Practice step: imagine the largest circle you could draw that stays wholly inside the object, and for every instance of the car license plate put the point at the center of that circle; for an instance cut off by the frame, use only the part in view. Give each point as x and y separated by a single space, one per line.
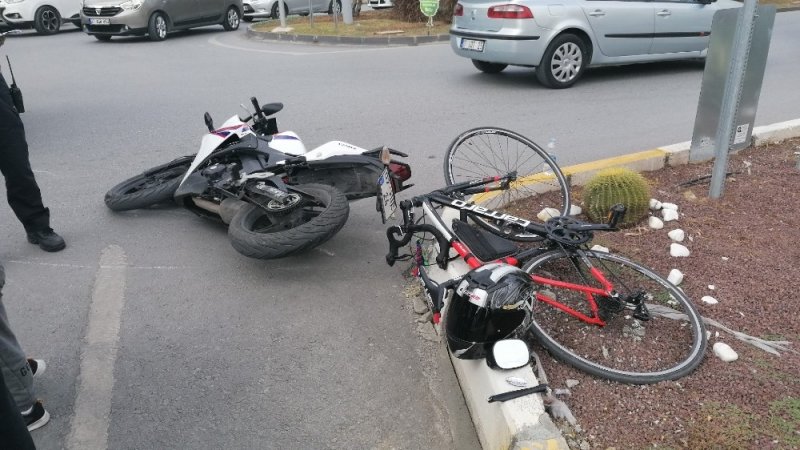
386 200
100 21
472 44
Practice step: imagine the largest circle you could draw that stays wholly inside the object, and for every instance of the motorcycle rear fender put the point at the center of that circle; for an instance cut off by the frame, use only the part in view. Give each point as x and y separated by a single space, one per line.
355 175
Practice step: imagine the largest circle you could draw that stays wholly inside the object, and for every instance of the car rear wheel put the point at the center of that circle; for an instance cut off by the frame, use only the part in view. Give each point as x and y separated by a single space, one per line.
47 20
487 67
338 7
563 62
157 28
232 18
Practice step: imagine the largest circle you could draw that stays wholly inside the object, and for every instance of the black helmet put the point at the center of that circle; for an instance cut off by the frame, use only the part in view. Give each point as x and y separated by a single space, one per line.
490 304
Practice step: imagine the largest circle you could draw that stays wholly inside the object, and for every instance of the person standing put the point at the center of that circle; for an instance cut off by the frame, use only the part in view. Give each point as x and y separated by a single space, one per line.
13 432
22 191
19 371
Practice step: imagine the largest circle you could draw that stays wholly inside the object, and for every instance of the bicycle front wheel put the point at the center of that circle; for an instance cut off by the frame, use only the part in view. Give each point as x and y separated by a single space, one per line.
487 152
629 348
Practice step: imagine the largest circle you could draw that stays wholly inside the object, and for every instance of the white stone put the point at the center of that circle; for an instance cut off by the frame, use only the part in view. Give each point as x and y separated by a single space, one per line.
655 204
709 300
725 352
599 248
678 250
575 210
669 214
669 206
725 258
548 213
677 235
712 287
675 277
572 383
655 223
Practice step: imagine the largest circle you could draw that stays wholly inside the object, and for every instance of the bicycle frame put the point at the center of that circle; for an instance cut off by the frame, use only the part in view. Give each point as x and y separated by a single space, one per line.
447 240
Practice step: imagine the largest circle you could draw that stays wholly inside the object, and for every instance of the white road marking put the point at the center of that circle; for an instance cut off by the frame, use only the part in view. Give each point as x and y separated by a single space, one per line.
81 266
214 41
93 404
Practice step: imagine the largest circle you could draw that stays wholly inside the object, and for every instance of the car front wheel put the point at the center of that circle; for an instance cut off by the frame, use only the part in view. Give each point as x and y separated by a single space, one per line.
231 19
487 67
157 29
47 20
563 62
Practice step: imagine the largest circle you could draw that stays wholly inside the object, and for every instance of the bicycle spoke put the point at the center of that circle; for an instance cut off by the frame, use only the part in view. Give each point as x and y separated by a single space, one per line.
632 346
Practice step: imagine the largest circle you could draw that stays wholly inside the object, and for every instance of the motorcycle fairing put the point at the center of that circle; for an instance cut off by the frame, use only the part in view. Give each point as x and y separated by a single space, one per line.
211 141
287 142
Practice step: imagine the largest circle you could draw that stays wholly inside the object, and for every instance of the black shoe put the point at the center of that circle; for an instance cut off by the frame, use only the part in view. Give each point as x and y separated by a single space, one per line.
47 239
36 417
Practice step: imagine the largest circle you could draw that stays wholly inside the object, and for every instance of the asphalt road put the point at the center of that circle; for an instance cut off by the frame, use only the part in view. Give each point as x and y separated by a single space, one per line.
159 335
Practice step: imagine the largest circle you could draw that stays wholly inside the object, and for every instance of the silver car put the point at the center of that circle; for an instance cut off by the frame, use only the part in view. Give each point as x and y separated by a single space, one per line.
562 38
155 18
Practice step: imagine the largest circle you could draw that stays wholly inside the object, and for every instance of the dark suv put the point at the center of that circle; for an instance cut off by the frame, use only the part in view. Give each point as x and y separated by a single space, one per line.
155 18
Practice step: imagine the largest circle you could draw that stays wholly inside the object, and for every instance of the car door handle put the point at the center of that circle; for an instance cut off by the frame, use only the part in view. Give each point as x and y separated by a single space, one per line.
597 13
664 13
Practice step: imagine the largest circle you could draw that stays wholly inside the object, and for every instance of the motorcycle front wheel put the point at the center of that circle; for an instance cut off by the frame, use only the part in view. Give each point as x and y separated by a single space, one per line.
149 188
258 233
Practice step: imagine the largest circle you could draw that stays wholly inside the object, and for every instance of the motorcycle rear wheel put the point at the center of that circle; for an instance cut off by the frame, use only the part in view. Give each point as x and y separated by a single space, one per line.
257 233
149 188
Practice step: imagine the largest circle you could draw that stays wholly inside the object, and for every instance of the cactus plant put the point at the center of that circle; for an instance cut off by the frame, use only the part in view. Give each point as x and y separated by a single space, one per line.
617 185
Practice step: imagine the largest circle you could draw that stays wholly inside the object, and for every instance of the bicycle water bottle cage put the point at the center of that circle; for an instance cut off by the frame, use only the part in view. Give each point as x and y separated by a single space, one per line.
558 230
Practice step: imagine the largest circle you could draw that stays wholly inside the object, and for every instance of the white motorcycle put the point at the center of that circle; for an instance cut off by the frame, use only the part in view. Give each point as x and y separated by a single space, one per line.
277 197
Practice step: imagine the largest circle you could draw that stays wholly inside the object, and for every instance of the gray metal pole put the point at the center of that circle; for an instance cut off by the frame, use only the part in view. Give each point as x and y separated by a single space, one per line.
347 11
282 13
733 91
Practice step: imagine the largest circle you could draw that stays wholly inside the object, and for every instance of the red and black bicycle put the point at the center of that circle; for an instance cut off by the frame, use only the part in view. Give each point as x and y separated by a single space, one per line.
597 311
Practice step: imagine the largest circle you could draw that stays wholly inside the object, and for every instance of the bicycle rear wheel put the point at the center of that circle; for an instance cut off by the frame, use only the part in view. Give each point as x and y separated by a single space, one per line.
670 345
486 152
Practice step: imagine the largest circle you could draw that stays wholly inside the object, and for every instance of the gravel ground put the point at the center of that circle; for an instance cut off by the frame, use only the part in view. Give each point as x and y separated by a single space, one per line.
744 252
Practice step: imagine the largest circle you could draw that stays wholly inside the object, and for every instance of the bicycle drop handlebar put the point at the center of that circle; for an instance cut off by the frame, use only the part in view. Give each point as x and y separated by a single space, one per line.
564 230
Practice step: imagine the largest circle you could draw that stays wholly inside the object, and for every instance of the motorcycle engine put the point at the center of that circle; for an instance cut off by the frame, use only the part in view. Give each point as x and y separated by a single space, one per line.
221 174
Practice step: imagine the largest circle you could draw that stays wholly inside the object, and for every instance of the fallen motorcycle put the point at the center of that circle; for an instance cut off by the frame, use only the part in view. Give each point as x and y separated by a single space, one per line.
277 198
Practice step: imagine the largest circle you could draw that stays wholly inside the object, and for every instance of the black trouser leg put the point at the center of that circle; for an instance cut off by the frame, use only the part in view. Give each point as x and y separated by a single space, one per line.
23 192
13 432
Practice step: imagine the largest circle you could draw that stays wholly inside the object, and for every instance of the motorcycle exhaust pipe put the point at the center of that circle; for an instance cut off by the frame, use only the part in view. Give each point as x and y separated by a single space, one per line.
207 205
226 210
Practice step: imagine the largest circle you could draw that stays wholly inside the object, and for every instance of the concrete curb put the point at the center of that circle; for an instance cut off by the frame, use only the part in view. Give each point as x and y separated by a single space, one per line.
522 423
673 155
346 40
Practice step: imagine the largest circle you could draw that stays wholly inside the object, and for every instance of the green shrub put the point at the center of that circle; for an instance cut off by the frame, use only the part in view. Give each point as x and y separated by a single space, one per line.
617 185
408 11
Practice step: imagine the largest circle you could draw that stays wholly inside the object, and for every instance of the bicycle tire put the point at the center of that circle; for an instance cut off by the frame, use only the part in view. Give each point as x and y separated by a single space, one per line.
626 349
490 151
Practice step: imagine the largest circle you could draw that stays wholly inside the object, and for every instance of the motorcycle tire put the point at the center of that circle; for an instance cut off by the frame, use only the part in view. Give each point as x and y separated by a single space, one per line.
149 188
256 233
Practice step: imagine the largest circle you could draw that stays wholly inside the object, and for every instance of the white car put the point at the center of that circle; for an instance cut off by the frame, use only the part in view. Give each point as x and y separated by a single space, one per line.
380 4
46 16
264 9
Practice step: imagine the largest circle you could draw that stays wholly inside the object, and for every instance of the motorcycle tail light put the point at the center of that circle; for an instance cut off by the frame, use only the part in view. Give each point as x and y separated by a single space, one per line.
400 173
